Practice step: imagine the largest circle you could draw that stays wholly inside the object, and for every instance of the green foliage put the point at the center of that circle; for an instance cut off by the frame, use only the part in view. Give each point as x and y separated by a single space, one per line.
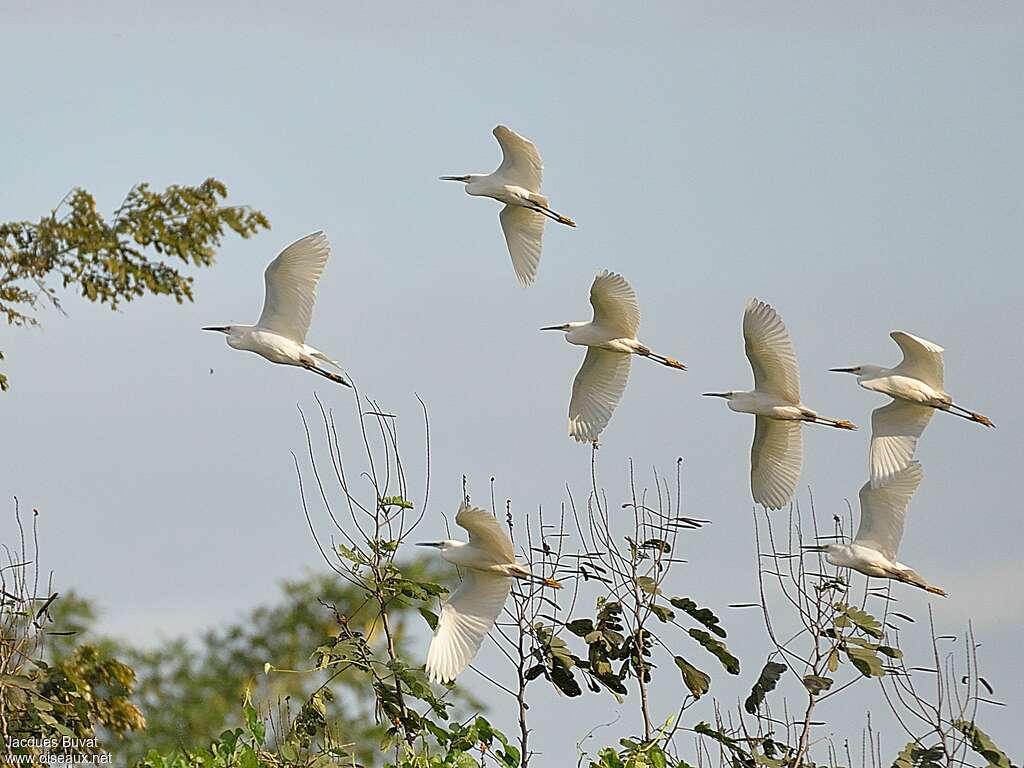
634 754
81 696
703 615
915 756
865 622
697 681
983 745
766 682
718 649
107 260
191 692
855 632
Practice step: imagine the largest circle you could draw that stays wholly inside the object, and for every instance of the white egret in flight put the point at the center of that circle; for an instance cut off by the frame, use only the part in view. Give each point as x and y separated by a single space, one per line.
488 563
915 386
280 333
777 452
610 339
516 183
883 511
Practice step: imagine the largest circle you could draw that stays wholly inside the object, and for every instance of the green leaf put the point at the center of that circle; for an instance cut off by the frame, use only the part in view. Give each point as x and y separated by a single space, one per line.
864 621
766 681
580 627
659 545
703 615
565 682
982 744
697 681
664 614
816 684
718 649
254 723
430 617
648 585
865 660
18 681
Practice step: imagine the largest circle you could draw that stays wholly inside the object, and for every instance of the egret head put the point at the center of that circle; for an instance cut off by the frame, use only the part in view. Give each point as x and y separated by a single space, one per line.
564 327
226 329
726 395
837 554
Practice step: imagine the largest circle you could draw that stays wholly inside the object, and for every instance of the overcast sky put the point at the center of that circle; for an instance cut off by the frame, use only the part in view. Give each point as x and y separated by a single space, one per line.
858 169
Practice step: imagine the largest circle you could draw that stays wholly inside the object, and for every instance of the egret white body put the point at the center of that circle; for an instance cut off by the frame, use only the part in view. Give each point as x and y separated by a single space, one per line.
916 389
883 512
489 564
611 342
516 183
280 333
777 453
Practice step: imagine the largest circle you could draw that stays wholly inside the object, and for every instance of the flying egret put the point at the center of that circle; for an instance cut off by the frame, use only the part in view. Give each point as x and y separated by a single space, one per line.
915 386
883 511
516 183
777 452
610 339
489 564
280 333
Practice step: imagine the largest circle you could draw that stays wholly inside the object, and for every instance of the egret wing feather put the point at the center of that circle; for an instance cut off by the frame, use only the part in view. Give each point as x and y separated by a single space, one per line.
486 533
291 281
895 430
615 305
770 352
596 392
922 359
523 229
776 456
520 162
464 622
883 511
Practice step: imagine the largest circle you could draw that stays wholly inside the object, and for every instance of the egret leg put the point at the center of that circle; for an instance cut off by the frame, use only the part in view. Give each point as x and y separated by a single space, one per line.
553 215
837 423
671 362
970 415
920 584
336 378
547 582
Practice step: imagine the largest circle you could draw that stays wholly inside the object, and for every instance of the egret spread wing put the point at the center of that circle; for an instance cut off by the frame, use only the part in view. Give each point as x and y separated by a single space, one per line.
486 533
291 282
770 351
776 456
615 305
465 620
520 161
596 391
883 510
922 359
523 230
895 429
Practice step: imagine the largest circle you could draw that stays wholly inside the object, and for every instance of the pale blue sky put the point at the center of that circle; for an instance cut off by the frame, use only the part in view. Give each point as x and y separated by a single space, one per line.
860 169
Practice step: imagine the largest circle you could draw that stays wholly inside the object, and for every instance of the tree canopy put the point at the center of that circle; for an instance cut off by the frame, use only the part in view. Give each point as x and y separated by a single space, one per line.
140 249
